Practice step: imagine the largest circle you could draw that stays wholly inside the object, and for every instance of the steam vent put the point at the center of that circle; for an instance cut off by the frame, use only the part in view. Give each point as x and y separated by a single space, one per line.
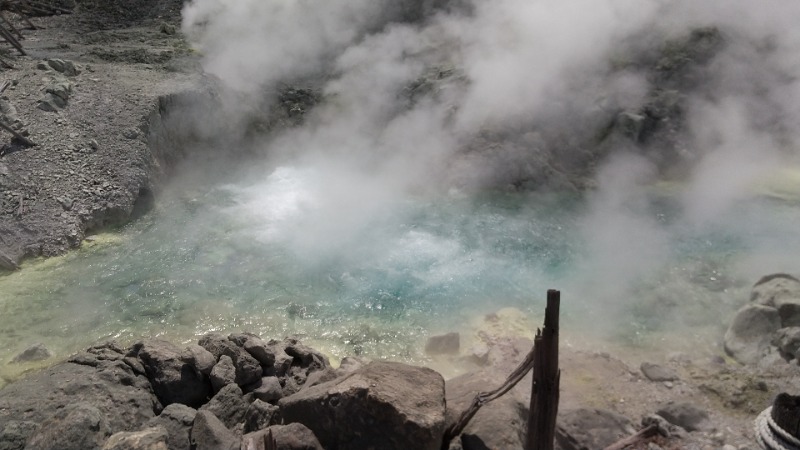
399 224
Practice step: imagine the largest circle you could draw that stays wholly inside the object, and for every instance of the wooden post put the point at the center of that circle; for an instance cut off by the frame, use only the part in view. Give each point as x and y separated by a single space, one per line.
546 378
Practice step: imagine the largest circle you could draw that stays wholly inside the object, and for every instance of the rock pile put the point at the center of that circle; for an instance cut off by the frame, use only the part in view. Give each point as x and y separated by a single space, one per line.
225 392
767 329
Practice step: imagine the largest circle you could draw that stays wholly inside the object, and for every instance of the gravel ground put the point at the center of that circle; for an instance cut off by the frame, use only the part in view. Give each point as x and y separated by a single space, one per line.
91 167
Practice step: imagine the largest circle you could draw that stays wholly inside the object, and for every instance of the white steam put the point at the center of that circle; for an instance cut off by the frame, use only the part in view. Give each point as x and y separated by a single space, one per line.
371 144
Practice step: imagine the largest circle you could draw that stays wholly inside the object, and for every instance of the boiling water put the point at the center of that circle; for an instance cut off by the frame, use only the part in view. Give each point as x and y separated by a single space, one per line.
377 274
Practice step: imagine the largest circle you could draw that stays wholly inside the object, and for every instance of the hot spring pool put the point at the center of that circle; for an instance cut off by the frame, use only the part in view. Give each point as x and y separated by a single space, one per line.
375 274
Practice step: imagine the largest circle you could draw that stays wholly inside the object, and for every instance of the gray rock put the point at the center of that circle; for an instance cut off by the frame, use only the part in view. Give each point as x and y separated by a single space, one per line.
223 373
228 405
51 103
36 352
449 343
749 336
130 133
209 433
173 380
782 292
80 426
306 356
248 369
686 416
283 362
771 289
240 338
270 390
580 429
351 364
63 66
383 405
60 89
499 424
98 377
322 376
199 357
788 342
16 434
294 436
261 351
177 419
666 429
154 438
655 372
260 415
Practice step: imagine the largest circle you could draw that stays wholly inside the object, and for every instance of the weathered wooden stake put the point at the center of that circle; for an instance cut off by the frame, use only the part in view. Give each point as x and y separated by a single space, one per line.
546 378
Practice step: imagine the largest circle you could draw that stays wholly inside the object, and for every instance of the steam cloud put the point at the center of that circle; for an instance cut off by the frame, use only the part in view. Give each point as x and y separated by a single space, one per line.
494 67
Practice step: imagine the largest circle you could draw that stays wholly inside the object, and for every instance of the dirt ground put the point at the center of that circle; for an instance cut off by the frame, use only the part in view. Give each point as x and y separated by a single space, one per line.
91 168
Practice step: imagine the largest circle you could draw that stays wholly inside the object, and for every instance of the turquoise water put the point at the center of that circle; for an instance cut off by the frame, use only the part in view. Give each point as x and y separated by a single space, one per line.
377 277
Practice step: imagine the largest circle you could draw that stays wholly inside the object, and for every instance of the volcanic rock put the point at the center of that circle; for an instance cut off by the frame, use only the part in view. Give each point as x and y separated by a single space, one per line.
591 428
228 405
223 373
78 426
36 352
685 415
97 378
248 369
154 438
499 424
382 405
780 291
173 380
294 436
209 433
655 372
260 415
749 336
177 420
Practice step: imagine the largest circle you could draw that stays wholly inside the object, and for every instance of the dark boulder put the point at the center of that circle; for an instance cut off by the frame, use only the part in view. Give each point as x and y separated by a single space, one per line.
208 433
228 405
261 351
154 438
16 433
383 405
223 373
499 424
686 416
581 429
177 419
79 426
782 292
173 379
269 390
200 358
248 369
36 352
260 415
98 377
655 372
749 336
294 436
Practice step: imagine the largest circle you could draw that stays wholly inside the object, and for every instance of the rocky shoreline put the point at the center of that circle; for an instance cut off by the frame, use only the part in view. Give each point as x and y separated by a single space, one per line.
229 392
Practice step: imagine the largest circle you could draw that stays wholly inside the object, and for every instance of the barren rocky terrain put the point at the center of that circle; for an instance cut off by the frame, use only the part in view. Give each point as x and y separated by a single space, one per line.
87 94
90 167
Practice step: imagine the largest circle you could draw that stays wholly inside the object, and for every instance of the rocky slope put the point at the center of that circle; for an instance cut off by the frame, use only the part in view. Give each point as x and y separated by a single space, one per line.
83 95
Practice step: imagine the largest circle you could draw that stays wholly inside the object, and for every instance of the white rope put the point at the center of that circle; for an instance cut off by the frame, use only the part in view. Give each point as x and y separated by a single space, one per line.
772 437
